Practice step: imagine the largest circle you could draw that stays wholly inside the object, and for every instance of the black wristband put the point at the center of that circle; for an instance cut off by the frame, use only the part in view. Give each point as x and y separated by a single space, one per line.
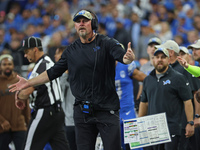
191 123
197 116
18 96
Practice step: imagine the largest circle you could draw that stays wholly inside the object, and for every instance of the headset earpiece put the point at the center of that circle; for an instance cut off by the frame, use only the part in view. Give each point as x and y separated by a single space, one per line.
94 21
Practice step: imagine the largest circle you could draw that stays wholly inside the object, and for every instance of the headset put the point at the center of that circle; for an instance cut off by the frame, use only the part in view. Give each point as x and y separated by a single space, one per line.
94 21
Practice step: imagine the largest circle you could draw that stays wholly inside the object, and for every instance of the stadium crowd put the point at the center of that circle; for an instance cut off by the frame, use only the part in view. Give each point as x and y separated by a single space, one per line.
142 19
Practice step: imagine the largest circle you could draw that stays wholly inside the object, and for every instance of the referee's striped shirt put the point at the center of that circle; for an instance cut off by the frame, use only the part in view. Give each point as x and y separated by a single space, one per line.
46 94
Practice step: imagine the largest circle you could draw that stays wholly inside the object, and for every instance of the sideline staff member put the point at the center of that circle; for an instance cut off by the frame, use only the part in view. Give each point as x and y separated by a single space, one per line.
90 61
166 90
47 122
13 122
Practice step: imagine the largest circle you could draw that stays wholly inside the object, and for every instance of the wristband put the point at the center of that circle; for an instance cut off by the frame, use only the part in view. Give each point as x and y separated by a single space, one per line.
191 123
197 116
18 96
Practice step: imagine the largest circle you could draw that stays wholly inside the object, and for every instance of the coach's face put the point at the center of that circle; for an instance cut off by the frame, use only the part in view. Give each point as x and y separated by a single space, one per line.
83 26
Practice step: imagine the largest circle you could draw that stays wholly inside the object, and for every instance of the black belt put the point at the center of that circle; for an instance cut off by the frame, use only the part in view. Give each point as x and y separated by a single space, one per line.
78 102
94 110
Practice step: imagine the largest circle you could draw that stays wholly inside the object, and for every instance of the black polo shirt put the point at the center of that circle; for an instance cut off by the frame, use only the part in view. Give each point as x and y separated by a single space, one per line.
167 95
194 85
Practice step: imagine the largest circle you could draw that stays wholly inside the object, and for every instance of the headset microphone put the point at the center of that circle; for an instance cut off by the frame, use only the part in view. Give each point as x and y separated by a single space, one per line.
89 39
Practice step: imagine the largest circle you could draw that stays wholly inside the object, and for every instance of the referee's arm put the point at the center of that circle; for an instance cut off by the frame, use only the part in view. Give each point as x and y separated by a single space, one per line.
24 94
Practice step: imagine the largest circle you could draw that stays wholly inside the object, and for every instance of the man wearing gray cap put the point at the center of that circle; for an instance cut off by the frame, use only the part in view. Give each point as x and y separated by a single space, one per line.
195 47
173 49
170 91
90 61
193 142
186 54
190 143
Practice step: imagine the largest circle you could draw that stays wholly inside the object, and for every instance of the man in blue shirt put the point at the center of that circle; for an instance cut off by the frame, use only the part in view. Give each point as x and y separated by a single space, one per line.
124 88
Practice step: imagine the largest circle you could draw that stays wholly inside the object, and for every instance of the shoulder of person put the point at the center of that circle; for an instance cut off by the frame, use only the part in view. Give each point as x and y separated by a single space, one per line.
147 82
176 71
178 76
102 37
73 45
105 38
110 41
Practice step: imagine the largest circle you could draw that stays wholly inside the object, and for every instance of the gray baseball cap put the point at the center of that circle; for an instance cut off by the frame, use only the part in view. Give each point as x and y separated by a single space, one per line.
196 44
155 40
163 50
184 49
170 44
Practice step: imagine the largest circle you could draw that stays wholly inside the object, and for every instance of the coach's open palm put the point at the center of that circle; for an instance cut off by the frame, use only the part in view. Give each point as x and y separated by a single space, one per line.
21 84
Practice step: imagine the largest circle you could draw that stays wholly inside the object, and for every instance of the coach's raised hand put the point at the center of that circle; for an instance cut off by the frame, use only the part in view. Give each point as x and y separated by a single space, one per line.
129 56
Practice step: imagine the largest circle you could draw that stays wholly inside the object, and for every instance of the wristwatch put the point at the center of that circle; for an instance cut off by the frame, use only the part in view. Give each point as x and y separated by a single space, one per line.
191 123
197 116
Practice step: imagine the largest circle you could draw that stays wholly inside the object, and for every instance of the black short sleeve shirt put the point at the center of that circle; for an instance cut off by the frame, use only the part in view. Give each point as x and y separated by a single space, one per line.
167 95
91 69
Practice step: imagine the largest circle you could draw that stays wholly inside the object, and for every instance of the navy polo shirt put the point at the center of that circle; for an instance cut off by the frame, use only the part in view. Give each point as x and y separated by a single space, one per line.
167 94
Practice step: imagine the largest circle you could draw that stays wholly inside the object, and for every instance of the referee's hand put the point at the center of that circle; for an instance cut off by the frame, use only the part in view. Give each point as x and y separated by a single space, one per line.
20 104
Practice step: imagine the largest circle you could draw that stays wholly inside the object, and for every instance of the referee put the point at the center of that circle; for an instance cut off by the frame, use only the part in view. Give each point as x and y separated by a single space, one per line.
47 122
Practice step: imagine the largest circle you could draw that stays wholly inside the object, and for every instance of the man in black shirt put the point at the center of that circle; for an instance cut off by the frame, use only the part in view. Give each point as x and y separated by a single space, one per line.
194 83
47 122
90 61
193 142
166 90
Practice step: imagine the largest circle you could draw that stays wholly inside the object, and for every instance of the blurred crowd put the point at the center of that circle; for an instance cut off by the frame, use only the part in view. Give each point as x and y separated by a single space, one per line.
126 20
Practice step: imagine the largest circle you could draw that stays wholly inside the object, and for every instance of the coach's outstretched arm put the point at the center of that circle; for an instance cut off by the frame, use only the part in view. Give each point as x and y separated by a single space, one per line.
23 83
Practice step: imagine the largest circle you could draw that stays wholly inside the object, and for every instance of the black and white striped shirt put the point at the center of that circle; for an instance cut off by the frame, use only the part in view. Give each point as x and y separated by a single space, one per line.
46 94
